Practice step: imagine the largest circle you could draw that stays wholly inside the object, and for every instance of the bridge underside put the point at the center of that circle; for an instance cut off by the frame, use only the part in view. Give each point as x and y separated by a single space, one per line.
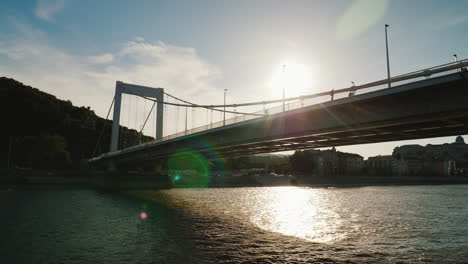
429 108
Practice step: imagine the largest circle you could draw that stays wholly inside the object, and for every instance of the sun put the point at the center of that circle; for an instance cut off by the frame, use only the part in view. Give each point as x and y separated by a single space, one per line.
295 78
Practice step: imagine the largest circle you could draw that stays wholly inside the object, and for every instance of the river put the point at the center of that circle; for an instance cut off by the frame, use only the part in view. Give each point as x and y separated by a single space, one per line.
394 224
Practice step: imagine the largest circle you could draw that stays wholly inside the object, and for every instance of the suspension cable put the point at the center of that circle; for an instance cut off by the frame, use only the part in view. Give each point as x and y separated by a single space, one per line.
193 117
407 76
129 106
103 127
177 120
147 117
136 113
165 120
201 106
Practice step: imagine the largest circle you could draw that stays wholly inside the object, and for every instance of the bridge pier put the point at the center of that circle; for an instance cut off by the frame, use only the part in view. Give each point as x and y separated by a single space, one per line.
125 88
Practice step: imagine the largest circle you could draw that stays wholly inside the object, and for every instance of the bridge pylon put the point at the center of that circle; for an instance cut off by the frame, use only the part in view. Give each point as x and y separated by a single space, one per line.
126 88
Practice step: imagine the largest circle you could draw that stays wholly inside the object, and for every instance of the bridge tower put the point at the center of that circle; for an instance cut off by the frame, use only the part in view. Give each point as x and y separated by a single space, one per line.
121 88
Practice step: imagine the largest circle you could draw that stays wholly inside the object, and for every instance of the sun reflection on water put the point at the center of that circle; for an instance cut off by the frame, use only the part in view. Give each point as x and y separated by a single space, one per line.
312 214
298 212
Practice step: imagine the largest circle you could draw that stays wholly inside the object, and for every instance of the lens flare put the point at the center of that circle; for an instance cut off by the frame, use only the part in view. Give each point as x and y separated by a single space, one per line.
191 169
143 215
360 17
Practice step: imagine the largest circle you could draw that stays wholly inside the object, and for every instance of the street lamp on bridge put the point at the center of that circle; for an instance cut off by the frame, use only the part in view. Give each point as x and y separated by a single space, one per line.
388 61
224 112
284 82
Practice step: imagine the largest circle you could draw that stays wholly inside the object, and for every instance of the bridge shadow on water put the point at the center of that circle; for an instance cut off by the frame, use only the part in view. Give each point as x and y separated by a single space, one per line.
85 226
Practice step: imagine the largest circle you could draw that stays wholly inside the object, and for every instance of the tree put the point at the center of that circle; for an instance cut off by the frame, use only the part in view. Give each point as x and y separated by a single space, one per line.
302 161
43 151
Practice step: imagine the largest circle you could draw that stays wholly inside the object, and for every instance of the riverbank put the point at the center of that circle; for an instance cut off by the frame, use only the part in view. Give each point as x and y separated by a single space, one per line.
82 179
135 180
346 181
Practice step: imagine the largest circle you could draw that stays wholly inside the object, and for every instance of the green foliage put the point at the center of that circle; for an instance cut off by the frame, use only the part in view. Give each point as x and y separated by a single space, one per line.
44 151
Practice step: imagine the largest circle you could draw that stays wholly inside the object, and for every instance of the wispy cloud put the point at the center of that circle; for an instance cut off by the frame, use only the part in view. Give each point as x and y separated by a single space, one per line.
46 9
361 15
90 80
101 59
452 21
139 39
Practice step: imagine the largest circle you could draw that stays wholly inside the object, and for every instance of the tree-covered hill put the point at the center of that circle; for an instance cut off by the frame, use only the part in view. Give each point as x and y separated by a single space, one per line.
41 131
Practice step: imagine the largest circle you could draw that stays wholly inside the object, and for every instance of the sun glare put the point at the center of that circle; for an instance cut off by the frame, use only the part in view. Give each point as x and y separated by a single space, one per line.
300 213
295 78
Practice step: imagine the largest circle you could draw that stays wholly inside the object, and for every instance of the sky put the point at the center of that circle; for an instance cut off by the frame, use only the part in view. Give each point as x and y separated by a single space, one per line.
77 50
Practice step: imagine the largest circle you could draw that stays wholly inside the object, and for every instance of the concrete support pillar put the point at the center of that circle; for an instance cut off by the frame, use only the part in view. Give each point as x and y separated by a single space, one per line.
116 118
159 116
121 88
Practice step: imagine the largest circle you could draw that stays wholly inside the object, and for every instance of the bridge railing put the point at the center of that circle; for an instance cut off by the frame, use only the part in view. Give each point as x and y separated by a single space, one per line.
307 100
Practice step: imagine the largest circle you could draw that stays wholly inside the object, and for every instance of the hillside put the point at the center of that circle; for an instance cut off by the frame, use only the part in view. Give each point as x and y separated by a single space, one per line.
46 132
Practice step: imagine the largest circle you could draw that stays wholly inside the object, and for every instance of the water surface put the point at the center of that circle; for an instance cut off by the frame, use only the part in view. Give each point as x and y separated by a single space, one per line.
417 224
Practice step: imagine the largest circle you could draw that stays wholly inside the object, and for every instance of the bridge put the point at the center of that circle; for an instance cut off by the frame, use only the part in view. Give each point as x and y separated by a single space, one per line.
428 103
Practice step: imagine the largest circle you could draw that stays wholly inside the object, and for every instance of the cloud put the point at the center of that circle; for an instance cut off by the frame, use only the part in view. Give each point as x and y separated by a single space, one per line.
90 80
452 21
359 17
101 59
139 39
46 9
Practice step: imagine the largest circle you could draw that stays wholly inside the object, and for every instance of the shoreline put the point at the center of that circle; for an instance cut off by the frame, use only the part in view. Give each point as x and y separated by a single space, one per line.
115 181
28 186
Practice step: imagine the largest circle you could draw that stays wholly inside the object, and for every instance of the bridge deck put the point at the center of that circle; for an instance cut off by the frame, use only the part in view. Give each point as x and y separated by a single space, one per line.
428 108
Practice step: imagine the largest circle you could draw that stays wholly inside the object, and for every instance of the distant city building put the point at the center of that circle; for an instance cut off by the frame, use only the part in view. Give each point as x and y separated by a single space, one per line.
336 163
449 159
318 165
354 163
330 163
380 165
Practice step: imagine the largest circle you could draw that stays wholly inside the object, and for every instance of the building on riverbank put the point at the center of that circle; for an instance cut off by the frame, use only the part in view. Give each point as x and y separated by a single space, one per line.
449 159
327 163
380 165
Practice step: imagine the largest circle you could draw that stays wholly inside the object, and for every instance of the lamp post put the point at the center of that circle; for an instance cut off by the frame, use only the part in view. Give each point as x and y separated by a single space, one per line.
284 82
224 112
186 108
351 93
388 61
